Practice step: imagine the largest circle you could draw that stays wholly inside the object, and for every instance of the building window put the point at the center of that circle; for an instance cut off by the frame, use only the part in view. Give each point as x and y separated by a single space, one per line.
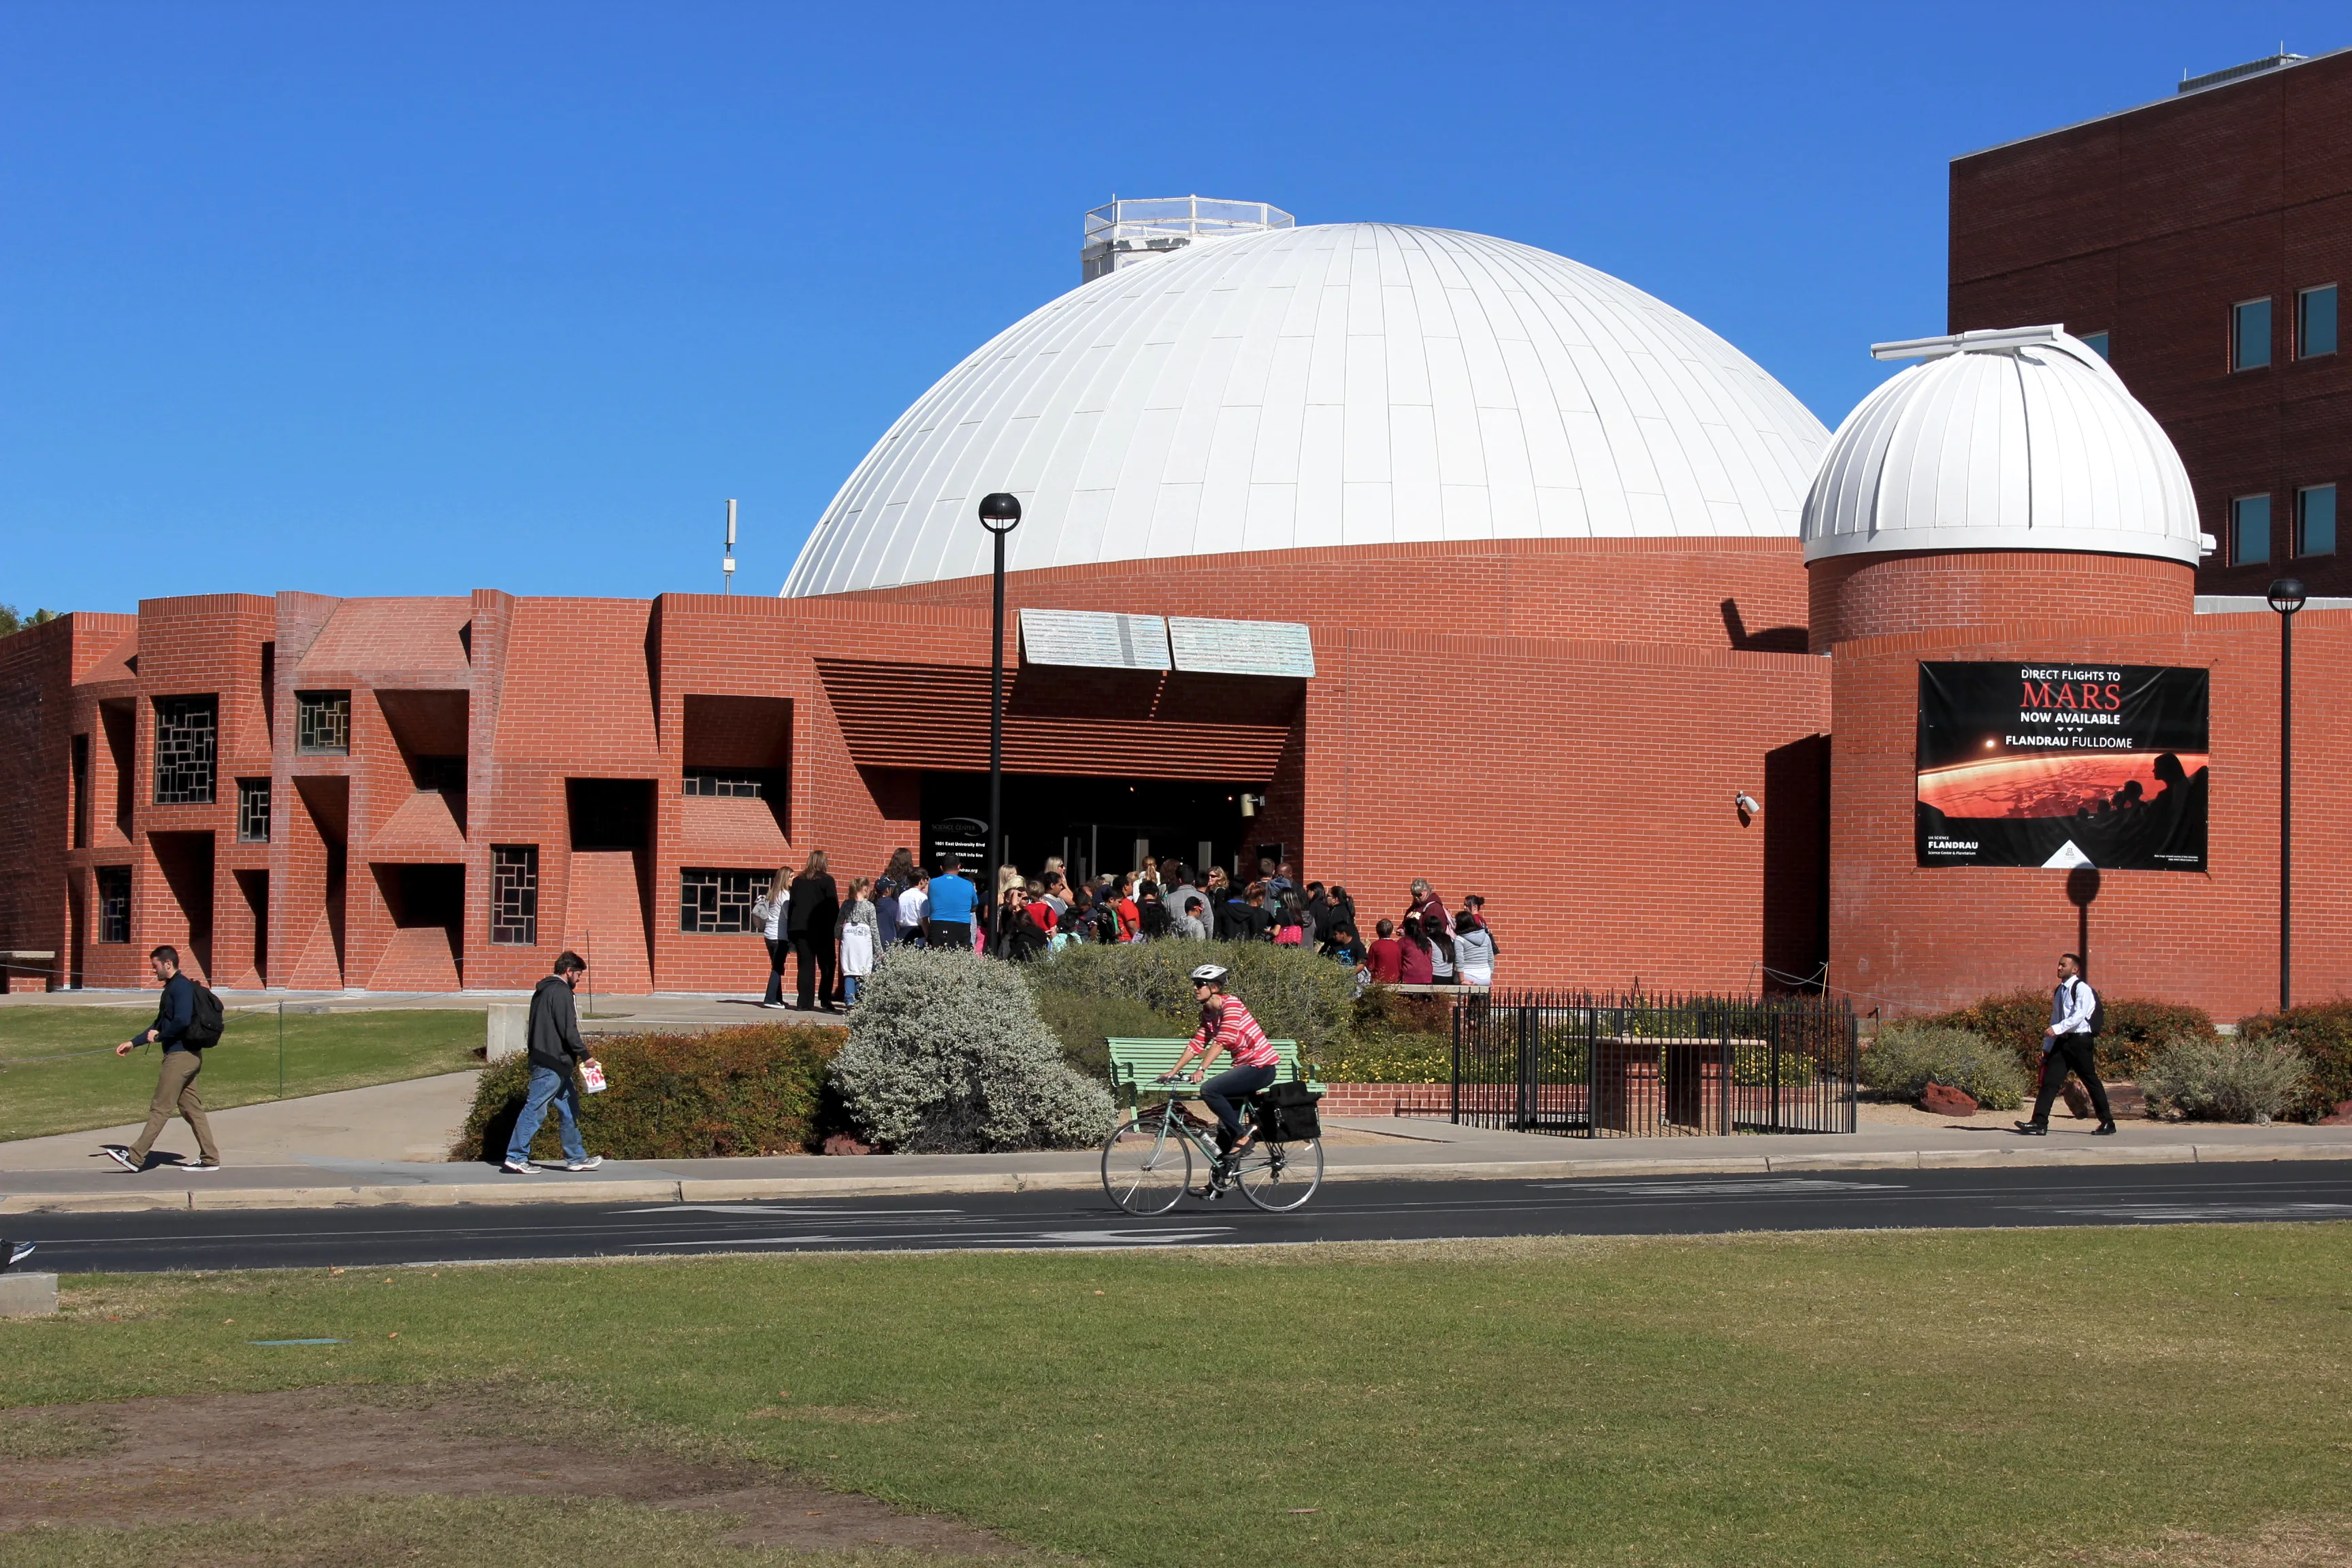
2250 335
253 811
726 785
82 792
186 730
2315 323
2314 521
322 723
2250 531
717 900
2098 343
514 895
114 903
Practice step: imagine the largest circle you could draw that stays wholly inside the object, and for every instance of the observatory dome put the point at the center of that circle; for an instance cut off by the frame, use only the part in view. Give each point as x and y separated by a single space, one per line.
1336 385
2021 439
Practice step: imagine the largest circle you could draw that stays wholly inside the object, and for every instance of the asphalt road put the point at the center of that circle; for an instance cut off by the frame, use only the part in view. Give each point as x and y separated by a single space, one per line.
1343 1211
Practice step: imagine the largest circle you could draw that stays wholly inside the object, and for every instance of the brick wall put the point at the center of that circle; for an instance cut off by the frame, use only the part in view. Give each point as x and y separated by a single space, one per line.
2150 225
1909 940
1876 595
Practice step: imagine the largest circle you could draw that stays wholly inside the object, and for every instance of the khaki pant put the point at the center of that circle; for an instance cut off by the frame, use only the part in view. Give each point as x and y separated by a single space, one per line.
176 1090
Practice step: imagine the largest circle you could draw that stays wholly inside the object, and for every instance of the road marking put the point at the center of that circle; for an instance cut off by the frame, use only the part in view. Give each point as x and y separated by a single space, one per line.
821 1210
1797 1184
1126 1235
2208 1211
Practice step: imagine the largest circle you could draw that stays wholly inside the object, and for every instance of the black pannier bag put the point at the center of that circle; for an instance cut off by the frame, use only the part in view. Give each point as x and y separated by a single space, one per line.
1286 1115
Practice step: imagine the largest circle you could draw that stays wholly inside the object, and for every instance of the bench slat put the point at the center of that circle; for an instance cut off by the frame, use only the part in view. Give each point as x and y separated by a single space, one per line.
1135 1062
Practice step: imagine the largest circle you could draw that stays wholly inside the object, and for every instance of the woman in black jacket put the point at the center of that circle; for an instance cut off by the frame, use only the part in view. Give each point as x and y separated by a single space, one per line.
815 907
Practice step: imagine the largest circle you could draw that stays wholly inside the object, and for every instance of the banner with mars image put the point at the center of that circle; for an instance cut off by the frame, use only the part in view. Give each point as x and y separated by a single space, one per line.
2063 764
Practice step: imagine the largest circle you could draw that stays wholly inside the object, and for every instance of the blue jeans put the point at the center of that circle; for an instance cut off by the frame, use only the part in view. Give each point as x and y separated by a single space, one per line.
1222 1093
849 988
547 1084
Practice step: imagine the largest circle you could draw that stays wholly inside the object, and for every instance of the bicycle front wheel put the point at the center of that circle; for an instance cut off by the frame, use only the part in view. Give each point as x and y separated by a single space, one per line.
1146 1166
1280 1176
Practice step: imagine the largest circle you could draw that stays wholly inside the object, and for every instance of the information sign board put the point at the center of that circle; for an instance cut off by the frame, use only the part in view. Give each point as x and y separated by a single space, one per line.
1241 648
1100 639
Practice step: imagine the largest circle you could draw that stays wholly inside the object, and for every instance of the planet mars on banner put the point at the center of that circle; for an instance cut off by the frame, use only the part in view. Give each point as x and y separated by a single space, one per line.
2061 765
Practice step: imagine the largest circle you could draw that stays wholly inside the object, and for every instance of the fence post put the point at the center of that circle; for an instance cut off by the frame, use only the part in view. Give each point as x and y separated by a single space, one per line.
1456 1113
1772 1049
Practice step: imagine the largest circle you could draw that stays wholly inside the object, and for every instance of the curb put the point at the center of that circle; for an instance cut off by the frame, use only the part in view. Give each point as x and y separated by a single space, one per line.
677 1190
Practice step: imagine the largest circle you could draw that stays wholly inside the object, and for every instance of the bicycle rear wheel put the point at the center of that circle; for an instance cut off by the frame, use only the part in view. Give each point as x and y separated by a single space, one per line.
1146 1166
1281 1176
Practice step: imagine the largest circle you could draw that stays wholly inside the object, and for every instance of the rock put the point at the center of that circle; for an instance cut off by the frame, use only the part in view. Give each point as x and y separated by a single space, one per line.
2078 1100
1945 1100
2342 1116
843 1143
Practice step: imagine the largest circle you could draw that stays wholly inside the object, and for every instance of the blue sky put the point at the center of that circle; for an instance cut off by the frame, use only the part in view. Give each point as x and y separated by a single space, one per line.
416 299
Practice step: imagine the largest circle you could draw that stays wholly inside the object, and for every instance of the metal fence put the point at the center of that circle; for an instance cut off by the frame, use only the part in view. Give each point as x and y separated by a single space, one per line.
1647 1066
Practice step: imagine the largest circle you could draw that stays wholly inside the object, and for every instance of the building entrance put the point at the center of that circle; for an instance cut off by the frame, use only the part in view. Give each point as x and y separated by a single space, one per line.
1096 823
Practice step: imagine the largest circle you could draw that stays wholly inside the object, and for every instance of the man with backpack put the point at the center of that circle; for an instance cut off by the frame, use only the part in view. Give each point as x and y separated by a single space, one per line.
2067 1046
187 1019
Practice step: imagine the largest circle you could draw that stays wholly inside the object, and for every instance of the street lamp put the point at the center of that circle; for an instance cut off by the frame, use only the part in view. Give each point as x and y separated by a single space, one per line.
2286 597
1000 514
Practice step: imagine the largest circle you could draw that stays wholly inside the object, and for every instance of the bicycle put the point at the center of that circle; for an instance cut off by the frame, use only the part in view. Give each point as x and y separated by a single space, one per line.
1147 1161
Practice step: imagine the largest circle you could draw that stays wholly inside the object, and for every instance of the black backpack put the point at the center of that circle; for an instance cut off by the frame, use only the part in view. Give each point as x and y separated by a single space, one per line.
206 1021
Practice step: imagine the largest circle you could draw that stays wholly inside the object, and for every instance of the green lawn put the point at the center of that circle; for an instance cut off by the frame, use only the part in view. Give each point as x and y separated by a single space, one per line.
1892 1398
324 1051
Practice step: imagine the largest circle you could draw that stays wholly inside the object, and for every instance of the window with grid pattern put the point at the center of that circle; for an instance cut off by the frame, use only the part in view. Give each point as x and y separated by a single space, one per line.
710 901
322 723
114 903
186 733
253 811
514 895
726 785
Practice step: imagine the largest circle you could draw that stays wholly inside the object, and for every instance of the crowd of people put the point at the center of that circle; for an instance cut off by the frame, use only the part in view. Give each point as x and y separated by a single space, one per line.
836 935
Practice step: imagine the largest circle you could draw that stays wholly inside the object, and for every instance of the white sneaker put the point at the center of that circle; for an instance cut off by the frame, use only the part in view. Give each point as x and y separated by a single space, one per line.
200 1166
778 1007
122 1156
520 1168
590 1163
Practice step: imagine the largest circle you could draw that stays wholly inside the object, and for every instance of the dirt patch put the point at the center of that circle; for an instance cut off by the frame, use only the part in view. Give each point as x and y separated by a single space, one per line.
166 1461
2280 1544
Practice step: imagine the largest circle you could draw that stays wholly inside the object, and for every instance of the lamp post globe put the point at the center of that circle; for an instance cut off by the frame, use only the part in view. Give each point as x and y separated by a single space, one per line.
2286 596
1000 513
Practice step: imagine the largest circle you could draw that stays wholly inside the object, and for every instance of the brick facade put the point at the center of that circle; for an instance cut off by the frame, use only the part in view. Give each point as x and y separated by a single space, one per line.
1876 595
2149 225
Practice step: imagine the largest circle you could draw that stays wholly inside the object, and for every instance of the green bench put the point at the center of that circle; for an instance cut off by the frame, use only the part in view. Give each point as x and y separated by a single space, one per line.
1134 1063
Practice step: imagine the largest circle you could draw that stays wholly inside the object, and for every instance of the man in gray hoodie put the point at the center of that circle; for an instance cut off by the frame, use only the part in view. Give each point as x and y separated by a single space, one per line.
555 1048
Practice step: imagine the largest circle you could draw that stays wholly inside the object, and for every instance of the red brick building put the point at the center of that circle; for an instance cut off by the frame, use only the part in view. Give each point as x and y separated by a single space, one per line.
2201 240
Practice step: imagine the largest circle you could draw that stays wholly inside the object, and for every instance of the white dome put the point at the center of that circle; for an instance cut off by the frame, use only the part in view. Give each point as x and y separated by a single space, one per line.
1342 383
2017 439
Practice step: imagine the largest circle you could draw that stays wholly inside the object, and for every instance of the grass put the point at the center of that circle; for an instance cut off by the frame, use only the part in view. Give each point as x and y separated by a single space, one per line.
324 1051
1868 1398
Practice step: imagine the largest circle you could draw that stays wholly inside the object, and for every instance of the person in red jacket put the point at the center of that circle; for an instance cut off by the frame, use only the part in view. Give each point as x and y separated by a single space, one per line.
1385 958
1417 956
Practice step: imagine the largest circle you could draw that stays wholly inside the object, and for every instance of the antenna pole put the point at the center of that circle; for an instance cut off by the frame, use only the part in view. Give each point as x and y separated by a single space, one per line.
727 561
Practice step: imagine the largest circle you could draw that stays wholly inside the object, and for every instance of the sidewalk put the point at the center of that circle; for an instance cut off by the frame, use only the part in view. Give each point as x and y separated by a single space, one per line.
1392 1148
599 1014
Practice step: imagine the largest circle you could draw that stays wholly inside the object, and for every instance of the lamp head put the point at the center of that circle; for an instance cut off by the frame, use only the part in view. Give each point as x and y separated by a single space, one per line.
2286 596
1000 513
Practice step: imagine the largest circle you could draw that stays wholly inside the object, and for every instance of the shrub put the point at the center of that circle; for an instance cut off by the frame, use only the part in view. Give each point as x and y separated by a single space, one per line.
1295 994
2136 1028
2224 1080
753 1090
1391 1058
1085 1023
2322 1031
947 1054
1903 1056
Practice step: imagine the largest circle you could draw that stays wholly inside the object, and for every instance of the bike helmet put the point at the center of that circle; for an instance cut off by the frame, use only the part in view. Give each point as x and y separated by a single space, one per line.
1211 974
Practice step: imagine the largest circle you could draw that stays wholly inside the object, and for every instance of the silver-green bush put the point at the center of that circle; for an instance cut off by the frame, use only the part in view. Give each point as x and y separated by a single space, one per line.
1295 994
948 1055
1903 1056
2223 1080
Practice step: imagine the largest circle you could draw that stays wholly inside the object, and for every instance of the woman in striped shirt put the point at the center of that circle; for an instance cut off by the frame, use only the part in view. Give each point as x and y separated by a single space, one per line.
1226 1025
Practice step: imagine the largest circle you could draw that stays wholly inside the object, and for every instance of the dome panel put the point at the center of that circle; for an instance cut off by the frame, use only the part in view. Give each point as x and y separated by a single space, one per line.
1342 383
2018 439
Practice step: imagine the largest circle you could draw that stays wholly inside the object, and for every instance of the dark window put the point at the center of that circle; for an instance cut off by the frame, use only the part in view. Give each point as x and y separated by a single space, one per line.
186 731
114 903
2097 341
253 811
717 900
514 895
2250 531
2250 335
2315 323
80 792
322 723
2314 521
726 785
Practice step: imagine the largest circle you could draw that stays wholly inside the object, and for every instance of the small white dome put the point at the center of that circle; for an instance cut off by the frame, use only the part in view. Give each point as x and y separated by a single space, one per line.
1338 385
2016 439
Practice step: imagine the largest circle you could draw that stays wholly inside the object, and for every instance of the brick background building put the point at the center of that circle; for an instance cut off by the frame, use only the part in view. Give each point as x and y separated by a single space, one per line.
2152 227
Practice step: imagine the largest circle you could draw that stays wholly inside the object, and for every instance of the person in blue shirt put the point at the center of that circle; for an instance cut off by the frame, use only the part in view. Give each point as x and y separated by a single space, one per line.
175 1087
953 898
